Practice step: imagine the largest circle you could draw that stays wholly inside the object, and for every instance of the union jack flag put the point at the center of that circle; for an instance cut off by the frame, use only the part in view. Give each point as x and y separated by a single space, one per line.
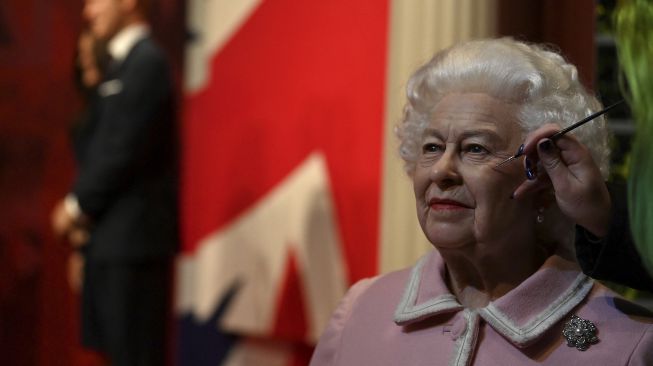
282 136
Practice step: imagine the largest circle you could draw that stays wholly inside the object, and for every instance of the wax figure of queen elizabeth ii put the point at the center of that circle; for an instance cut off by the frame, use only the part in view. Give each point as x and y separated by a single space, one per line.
502 286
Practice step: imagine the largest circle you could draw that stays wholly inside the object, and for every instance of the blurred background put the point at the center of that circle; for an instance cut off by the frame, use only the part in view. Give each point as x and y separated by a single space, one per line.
291 185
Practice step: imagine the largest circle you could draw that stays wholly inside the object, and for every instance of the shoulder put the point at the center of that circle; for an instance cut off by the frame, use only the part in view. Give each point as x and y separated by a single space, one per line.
145 58
386 288
602 300
368 301
376 290
147 48
146 70
621 324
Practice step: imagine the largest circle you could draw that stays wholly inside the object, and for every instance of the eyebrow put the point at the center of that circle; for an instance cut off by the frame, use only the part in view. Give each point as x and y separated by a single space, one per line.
481 132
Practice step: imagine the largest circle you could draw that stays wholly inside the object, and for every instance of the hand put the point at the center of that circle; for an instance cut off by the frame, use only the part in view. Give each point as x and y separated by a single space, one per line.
75 271
580 191
62 221
78 236
74 229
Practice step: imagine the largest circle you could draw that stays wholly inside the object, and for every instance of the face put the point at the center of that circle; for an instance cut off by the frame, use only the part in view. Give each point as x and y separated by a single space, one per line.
461 197
105 17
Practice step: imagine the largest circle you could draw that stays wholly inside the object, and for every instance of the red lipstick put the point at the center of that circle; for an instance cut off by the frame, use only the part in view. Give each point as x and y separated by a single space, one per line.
446 204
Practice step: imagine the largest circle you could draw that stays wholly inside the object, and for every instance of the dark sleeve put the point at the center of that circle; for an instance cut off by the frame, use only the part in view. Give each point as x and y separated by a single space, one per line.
613 258
118 149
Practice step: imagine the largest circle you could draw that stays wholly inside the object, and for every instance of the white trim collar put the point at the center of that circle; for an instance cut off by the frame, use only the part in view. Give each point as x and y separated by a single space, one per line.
564 293
523 335
410 311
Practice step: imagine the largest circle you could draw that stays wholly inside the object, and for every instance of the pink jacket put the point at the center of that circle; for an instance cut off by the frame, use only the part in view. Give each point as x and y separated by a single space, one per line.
409 317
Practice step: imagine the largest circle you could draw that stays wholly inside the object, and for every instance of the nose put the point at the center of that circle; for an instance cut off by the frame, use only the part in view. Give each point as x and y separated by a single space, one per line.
445 172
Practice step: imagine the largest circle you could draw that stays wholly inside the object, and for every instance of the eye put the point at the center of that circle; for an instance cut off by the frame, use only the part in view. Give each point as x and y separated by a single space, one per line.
476 149
431 148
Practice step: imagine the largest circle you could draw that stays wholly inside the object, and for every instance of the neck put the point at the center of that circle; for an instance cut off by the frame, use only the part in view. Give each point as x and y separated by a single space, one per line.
129 19
481 272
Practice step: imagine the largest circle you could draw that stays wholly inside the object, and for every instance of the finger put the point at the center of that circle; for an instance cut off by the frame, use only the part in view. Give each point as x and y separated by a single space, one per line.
543 132
573 152
553 164
529 187
530 163
530 150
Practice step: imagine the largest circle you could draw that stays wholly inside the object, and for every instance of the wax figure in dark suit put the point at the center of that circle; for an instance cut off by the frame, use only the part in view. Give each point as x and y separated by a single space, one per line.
89 68
124 195
604 245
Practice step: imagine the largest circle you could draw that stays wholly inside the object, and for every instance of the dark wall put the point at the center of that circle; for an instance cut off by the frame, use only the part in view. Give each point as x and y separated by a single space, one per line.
38 103
568 25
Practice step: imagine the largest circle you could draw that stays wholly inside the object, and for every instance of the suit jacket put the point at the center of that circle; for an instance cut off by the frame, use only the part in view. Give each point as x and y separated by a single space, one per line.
82 128
410 317
127 178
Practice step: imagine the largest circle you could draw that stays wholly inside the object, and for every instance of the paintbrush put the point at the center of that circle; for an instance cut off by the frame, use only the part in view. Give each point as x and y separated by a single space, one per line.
558 134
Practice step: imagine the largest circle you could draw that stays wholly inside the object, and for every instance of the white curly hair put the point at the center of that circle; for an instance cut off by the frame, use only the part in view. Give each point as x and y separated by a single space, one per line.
538 79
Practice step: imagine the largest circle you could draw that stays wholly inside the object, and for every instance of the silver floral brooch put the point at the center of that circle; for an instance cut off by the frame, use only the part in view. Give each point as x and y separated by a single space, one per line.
580 333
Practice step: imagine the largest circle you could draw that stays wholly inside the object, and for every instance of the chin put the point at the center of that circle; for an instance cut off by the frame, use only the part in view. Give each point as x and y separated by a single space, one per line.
101 32
449 240
452 233
447 245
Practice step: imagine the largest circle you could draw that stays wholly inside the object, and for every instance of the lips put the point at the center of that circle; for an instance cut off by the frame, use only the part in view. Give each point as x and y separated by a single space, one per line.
446 204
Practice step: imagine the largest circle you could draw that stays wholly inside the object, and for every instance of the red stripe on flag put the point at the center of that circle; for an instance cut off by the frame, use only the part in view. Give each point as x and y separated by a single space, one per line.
298 76
290 322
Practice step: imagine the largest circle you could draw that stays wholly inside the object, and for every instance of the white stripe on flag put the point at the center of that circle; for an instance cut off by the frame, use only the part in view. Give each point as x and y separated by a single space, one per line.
252 251
211 23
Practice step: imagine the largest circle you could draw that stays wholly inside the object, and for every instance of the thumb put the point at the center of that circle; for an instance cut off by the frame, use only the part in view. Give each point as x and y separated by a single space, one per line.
551 161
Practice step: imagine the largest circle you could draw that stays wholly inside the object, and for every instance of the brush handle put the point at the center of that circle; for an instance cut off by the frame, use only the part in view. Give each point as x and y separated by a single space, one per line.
560 133
583 121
